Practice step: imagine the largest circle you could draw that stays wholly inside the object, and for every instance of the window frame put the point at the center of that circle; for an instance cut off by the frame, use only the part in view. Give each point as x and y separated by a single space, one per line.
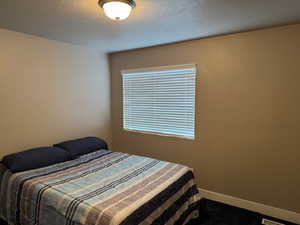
153 69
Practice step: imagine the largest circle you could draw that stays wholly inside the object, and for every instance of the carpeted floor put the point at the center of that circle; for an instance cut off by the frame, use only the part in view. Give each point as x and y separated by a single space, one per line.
214 213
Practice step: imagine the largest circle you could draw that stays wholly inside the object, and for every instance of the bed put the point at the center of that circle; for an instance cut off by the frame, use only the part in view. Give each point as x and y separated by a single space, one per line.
100 188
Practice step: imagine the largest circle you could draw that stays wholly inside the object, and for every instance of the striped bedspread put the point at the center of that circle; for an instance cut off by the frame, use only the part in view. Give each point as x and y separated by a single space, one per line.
101 188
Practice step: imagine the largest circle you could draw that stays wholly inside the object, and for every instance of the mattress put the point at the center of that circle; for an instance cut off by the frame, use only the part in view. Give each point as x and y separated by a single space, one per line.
100 188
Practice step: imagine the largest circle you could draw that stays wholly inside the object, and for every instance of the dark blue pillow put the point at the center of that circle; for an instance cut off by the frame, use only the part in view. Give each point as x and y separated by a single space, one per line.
82 146
35 158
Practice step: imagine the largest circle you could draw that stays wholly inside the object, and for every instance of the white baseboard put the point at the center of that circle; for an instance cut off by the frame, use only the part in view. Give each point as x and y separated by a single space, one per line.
271 211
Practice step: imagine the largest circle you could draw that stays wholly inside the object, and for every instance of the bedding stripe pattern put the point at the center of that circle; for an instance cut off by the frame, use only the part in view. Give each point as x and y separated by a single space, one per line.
101 188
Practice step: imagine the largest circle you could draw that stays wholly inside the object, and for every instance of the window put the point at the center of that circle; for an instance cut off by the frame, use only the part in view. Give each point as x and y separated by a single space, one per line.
160 100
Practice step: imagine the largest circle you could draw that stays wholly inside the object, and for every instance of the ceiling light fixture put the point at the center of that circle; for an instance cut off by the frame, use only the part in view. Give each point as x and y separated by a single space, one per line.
117 9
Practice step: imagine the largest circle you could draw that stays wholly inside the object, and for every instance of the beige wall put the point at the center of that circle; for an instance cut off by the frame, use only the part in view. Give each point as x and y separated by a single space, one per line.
248 113
50 91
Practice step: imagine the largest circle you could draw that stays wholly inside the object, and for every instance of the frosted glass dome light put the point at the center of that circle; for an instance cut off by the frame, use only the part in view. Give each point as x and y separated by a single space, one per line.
117 9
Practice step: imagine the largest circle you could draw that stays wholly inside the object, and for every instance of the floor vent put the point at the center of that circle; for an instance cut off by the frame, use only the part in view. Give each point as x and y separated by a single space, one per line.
270 222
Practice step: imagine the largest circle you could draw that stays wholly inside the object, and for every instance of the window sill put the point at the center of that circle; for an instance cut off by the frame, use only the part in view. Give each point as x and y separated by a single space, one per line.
160 134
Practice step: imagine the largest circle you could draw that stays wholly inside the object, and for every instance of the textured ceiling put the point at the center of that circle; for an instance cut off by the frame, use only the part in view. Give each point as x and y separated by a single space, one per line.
153 22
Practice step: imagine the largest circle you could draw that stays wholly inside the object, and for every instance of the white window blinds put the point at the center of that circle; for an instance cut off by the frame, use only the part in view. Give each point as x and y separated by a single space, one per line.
160 100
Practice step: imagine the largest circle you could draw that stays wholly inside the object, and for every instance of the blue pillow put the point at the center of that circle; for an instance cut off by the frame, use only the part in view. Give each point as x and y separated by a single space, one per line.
82 146
35 158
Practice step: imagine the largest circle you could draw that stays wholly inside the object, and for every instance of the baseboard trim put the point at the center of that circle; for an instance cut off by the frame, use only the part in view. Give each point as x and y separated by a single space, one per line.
271 211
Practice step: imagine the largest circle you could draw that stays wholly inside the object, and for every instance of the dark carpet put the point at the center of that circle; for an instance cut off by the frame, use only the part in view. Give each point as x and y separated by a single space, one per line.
215 213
